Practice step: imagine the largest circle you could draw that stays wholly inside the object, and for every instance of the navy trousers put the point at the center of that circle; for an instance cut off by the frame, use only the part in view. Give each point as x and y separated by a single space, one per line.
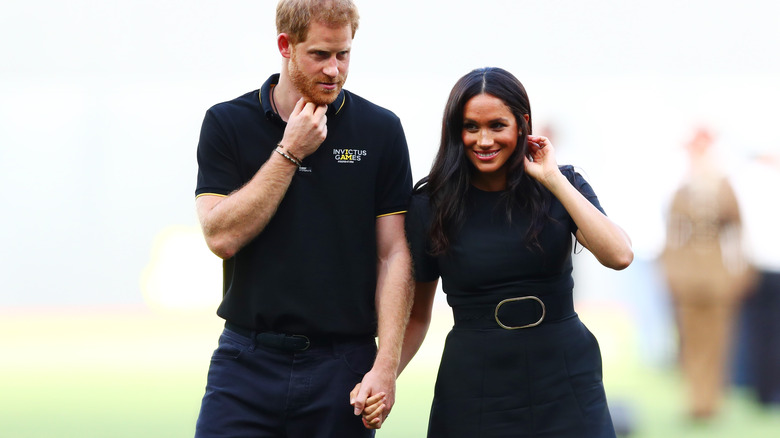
757 358
262 392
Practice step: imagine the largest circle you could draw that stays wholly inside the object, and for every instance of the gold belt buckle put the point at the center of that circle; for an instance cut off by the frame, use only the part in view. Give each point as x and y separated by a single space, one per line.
508 300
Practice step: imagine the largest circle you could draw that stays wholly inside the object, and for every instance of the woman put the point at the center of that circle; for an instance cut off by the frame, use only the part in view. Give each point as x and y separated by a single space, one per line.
494 220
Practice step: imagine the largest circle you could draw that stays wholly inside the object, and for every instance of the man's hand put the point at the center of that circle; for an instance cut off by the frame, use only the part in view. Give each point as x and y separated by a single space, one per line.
375 406
306 129
374 397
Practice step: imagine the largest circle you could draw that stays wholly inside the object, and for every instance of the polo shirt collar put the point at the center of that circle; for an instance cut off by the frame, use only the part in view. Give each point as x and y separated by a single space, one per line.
265 99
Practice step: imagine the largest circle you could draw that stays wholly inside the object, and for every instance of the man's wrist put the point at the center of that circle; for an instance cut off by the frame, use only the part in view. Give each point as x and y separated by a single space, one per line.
288 151
279 150
387 364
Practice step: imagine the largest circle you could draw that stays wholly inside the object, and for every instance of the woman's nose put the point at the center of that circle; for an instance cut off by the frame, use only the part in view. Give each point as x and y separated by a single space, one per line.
484 139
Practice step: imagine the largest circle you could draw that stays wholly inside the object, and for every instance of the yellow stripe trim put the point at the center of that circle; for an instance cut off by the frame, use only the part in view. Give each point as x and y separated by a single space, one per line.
211 194
343 100
391 214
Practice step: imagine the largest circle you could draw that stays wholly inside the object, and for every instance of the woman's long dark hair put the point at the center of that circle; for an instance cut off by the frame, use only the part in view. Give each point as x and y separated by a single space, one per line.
450 175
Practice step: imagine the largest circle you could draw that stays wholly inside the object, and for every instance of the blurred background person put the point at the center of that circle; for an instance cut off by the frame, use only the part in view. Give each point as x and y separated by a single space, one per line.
705 272
757 352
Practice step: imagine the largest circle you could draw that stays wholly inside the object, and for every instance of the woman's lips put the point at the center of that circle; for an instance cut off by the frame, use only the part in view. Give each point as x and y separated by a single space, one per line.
486 156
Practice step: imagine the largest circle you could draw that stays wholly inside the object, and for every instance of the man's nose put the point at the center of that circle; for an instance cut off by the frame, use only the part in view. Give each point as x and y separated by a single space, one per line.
332 67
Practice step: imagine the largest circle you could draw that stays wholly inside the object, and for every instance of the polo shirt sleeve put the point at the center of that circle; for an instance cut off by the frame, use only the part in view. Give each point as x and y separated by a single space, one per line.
218 171
426 267
394 184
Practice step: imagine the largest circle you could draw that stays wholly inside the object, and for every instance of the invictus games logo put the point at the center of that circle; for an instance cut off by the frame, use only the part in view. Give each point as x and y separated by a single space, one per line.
349 155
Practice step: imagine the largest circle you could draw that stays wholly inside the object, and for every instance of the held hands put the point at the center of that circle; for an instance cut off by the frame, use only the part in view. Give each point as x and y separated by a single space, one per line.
306 129
375 406
373 398
542 165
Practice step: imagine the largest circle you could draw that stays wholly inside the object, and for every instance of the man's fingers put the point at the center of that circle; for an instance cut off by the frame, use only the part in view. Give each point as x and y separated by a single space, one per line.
359 402
298 106
353 394
320 111
317 111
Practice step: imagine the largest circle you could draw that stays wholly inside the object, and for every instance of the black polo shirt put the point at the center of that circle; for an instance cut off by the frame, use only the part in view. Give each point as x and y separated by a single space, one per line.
312 270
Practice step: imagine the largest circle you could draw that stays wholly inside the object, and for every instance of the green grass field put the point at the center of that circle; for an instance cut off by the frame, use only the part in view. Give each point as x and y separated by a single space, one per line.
136 373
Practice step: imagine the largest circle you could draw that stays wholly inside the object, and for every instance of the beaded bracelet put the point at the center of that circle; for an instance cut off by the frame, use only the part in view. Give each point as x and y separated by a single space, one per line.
291 159
291 155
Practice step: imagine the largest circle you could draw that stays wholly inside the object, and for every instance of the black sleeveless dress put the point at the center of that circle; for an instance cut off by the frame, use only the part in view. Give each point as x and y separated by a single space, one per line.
543 380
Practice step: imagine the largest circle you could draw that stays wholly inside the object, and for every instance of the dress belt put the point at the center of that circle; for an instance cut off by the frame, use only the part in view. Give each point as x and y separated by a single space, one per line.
512 313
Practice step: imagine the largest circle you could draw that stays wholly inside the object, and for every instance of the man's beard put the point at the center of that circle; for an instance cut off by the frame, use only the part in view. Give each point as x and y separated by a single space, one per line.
309 87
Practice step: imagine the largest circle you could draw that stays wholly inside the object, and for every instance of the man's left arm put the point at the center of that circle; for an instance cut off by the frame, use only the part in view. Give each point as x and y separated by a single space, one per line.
393 304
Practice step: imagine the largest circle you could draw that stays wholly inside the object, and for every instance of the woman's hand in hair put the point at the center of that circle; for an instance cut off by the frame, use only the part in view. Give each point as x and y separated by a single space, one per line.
540 162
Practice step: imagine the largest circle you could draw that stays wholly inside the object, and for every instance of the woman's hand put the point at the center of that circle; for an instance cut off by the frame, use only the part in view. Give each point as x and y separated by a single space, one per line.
595 231
542 166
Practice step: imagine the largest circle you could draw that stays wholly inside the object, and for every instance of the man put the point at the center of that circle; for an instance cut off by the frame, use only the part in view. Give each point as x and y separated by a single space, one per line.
706 273
301 190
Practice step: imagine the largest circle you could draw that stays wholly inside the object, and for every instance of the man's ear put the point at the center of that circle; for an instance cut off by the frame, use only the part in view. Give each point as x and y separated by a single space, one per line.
284 45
